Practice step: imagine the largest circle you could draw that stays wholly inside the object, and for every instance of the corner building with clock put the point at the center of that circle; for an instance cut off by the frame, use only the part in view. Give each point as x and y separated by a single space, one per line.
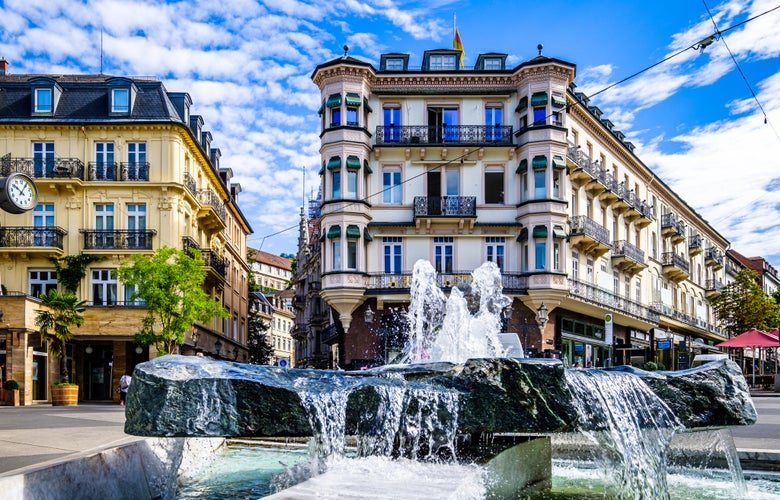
122 167
510 164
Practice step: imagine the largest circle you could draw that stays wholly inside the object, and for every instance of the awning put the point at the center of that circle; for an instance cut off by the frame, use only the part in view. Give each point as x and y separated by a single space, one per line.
322 238
334 232
539 162
353 231
540 232
353 100
559 162
322 108
522 167
334 163
333 100
523 236
751 338
539 99
558 101
368 108
366 235
522 105
559 233
353 163
367 169
322 170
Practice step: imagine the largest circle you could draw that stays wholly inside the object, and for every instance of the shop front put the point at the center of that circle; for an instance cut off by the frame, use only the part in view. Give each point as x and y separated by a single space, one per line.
582 343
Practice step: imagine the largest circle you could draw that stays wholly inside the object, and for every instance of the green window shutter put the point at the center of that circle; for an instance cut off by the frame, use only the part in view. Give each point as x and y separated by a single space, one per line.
559 162
353 163
522 167
334 163
538 163
367 236
540 232
558 101
539 99
366 168
322 170
523 236
353 100
334 232
353 231
333 101
523 104
559 233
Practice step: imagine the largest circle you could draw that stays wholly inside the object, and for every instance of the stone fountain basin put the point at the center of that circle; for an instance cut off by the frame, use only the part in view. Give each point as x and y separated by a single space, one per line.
189 396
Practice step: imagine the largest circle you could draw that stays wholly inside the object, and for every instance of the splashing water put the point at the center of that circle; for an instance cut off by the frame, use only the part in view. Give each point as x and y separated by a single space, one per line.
632 427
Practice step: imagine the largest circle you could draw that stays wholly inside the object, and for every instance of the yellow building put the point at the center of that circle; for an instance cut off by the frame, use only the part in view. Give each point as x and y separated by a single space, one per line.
273 274
122 168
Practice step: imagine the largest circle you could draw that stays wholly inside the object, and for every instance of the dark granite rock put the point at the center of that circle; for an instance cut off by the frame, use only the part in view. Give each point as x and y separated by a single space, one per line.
197 396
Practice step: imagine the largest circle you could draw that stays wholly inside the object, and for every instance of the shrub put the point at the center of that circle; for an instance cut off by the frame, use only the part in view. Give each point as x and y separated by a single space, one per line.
650 366
661 366
11 385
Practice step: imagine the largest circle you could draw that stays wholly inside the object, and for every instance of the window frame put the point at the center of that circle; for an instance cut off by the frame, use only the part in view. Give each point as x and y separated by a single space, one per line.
108 283
124 108
498 198
37 93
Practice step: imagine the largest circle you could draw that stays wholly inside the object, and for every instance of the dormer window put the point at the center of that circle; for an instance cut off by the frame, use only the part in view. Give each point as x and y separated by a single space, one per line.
493 63
394 64
44 101
442 62
120 101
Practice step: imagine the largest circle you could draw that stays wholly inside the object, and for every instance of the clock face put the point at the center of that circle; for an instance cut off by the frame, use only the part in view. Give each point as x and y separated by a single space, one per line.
19 193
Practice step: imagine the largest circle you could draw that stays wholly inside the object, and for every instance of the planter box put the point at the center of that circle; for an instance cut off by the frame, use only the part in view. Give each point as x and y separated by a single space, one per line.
64 395
10 397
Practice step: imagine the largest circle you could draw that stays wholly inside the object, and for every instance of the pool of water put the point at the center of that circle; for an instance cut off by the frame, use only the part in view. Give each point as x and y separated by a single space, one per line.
241 471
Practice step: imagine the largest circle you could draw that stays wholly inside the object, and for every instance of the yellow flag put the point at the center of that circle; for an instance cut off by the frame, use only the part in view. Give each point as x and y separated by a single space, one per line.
457 44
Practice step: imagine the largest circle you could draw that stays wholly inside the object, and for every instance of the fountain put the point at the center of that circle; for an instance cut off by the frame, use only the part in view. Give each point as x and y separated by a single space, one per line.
453 399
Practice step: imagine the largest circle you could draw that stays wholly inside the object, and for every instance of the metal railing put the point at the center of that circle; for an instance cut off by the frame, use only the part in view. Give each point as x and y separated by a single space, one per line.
713 256
589 292
713 285
29 236
445 206
486 135
207 197
43 168
103 171
403 281
192 185
672 259
118 239
625 249
584 225
214 261
670 221
134 171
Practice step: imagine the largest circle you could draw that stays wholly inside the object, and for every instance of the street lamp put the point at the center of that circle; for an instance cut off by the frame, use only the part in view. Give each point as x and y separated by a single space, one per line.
541 316
218 346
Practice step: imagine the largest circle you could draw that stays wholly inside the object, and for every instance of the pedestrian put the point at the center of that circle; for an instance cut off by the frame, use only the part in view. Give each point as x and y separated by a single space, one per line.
124 384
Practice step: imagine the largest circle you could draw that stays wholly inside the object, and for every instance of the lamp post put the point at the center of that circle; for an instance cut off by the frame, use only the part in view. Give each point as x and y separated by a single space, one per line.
541 320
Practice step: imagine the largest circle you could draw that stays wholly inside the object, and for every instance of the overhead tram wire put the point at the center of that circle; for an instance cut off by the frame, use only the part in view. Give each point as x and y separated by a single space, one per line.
701 44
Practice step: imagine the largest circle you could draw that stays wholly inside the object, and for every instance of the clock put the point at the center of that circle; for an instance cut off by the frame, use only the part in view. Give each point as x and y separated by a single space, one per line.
18 193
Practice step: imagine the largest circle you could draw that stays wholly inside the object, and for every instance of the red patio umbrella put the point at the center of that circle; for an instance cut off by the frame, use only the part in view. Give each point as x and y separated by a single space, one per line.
752 338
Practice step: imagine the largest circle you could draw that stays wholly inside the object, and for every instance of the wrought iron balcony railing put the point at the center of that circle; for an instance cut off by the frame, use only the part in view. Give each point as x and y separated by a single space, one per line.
207 197
192 185
591 293
713 285
713 257
214 261
134 171
118 239
671 222
483 135
445 206
628 250
584 225
43 168
30 236
672 259
103 171
403 281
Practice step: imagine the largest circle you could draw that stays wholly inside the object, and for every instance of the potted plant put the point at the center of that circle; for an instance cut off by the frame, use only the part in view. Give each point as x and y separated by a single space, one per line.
63 311
11 392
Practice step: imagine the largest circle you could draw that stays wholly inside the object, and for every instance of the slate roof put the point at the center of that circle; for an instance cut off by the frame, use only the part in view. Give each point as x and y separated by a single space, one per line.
84 98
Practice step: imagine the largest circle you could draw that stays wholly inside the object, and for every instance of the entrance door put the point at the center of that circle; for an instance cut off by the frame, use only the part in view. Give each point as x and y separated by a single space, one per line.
97 373
442 125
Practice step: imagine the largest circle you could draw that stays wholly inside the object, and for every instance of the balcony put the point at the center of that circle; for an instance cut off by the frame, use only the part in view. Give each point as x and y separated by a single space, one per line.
581 169
212 212
117 239
103 171
216 264
330 335
695 245
43 168
588 236
445 206
192 185
713 258
592 294
675 267
30 238
672 227
712 288
134 171
627 257
112 171
445 135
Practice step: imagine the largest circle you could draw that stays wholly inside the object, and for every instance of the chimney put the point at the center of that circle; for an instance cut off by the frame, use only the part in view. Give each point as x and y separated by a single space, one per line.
3 66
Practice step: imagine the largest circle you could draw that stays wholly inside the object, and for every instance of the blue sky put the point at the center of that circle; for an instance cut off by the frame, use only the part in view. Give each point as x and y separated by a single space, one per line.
247 66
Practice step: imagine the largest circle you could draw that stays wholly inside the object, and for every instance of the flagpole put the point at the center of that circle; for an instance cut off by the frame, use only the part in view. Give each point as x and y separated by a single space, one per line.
454 26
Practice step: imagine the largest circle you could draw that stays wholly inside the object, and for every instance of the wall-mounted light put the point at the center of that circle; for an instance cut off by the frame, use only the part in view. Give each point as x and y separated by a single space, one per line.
88 349
139 349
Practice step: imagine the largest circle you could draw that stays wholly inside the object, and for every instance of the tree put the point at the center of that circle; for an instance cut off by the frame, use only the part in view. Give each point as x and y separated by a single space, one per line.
258 343
63 312
71 269
170 282
746 302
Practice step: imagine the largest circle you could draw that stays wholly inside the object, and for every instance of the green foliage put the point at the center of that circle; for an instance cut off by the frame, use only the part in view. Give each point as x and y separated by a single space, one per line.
63 312
660 366
746 302
650 366
171 284
258 343
11 385
71 269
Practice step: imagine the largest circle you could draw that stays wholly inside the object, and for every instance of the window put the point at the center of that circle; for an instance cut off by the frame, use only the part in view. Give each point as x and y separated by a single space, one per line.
104 225
336 185
556 256
352 254
392 122
43 216
41 281
335 117
492 63
392 251
654 245
556 184
524 186
335 246
494 186
43 159
352 182
391 186
443 254
130 300
590 270
540 116
540 189
136 224
638 289
540 247
616 283
525 265
137 169
352 117
120 101
104 287
493 121
441 62
43 101
105 168
494 248
396 64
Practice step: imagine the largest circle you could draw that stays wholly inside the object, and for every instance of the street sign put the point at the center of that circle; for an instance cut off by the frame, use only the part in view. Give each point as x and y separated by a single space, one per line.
608 329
